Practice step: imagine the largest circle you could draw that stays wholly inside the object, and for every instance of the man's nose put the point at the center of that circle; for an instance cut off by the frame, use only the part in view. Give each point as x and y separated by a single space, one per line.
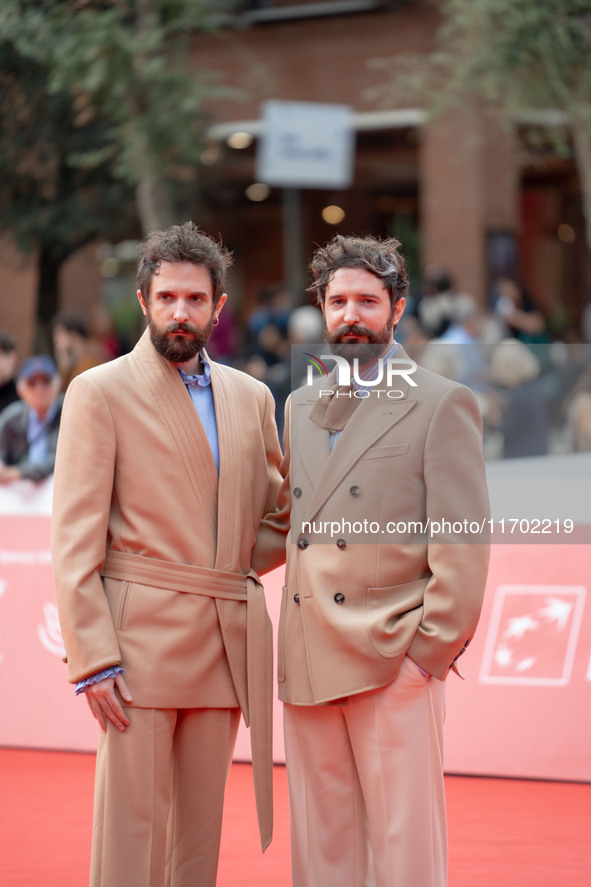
181 313
351 315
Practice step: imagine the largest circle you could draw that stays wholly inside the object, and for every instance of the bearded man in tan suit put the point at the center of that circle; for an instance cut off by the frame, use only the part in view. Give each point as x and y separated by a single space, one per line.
386 571
166 465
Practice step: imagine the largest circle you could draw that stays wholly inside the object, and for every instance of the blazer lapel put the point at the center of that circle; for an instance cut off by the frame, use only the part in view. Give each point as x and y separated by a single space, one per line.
368 424
230 486
309 440
185 427
370 421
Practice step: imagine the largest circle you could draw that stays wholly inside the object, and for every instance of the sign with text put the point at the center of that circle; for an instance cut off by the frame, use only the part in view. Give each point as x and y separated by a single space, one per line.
306 145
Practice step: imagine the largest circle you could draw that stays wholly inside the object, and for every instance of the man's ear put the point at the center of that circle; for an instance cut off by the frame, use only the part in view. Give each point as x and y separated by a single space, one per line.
220 304
142 302
398 310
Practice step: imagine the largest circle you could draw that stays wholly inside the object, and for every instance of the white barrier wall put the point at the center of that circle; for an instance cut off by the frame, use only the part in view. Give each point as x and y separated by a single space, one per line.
524 709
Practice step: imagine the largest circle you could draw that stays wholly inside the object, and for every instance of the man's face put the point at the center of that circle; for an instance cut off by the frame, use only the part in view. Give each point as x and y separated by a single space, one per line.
180 310
64 344
358 314
38 392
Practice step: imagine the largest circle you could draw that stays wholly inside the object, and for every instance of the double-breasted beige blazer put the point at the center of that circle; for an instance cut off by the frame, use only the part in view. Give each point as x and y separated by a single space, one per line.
369 579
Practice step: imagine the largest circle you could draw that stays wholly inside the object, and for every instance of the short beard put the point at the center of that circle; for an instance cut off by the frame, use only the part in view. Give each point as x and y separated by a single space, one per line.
179 350
365 352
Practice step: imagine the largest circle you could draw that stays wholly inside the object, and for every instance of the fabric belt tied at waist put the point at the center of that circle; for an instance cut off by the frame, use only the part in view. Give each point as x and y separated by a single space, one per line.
189 579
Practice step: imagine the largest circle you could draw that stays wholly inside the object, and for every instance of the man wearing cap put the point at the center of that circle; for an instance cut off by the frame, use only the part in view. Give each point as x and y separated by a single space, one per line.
29 428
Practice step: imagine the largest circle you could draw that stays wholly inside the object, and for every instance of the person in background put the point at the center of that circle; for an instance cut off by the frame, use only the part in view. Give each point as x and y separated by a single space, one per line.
273 306
464 337
517 406
29 427
74 350
103 332
578 413
435 306
8 361
521 317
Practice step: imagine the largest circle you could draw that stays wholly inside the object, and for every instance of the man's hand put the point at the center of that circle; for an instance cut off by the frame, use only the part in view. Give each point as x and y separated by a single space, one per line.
104 703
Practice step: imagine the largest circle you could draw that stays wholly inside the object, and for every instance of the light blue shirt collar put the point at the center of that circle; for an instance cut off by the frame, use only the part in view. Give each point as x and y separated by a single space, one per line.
202 379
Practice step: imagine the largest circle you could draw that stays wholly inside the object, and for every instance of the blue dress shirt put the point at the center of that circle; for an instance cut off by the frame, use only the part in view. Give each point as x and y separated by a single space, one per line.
199 388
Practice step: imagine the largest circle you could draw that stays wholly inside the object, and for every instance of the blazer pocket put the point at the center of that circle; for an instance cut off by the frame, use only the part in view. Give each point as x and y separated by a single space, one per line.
385 452
393 616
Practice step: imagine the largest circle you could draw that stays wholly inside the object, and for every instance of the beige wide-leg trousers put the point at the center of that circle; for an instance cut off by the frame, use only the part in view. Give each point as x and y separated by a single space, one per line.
366 788
159 795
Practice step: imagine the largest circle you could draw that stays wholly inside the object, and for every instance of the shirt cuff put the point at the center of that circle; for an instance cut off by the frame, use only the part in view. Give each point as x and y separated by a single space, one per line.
425 674
111 672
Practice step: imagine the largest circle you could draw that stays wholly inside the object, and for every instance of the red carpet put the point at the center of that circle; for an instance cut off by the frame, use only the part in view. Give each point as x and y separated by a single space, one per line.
506 833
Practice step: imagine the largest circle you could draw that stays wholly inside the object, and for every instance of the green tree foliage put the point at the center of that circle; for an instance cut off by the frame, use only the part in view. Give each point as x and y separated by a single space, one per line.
128 63
101 120
517 55
51 207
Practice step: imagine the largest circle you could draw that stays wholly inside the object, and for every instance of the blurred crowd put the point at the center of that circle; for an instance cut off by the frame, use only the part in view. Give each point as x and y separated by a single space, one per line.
533 388
31 395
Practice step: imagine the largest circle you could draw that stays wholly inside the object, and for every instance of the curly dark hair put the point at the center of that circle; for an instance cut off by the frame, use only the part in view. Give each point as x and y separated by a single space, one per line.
183 243
380 257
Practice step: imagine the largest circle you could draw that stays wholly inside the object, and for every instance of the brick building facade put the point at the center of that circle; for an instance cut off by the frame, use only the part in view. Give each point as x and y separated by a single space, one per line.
459 191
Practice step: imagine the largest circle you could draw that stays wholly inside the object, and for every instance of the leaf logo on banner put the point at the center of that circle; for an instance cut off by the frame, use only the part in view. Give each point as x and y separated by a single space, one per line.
50 633
558 611
532 634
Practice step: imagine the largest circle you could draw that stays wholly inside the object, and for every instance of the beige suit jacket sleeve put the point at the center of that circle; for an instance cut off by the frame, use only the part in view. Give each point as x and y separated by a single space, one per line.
84 473
269 550
456 494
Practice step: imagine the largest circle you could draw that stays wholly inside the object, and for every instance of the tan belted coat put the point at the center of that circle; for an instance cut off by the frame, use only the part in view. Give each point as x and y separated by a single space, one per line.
368 579
151 551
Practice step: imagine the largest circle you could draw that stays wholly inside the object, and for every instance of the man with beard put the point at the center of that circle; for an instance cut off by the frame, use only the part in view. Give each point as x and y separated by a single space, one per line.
379 600
166 466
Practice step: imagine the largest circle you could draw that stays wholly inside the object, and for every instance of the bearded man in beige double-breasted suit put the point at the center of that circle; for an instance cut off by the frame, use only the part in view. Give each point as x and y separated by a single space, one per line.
386 570
166 465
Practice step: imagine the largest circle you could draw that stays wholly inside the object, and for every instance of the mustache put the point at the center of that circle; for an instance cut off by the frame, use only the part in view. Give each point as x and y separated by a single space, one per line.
182 328
355 330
